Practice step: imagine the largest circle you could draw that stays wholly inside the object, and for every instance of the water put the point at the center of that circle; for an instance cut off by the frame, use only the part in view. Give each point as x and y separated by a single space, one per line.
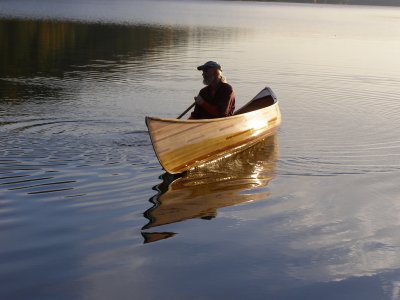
86 212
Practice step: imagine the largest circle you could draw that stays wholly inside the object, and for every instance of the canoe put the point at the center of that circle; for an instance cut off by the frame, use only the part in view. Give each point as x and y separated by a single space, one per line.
181 145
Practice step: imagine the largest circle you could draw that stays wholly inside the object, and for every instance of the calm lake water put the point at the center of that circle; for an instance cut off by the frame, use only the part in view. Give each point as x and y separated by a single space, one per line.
86 211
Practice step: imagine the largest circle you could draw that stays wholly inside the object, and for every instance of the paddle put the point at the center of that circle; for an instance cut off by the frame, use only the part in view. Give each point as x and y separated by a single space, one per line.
187 109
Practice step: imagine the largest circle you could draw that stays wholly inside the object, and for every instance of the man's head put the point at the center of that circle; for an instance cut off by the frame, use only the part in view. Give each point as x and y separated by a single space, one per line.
211 72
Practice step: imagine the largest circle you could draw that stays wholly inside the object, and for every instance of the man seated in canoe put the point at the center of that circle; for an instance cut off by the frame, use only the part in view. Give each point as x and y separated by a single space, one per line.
217 99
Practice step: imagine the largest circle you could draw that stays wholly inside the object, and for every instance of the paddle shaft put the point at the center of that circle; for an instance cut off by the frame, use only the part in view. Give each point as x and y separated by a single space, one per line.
187 109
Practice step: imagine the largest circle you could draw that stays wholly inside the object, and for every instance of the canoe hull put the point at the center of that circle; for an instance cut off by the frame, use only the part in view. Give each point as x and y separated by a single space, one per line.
184 144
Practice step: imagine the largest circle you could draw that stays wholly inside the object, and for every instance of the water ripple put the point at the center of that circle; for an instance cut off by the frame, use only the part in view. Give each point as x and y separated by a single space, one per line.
340 125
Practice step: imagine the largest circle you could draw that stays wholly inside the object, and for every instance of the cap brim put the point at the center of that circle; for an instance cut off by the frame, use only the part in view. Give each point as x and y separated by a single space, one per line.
200 68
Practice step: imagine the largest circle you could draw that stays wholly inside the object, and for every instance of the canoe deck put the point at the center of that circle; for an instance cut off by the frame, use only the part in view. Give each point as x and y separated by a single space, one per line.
184 144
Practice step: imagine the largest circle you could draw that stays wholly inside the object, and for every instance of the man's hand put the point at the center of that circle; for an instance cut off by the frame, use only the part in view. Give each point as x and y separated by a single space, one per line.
199 100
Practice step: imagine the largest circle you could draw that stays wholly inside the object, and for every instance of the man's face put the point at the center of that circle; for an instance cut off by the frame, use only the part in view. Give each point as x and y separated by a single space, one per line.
208 76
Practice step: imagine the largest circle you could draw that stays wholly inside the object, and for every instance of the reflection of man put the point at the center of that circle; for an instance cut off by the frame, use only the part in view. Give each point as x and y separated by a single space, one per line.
217 99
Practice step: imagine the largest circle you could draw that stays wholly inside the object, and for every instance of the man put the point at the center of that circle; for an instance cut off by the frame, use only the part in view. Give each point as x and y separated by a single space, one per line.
217 99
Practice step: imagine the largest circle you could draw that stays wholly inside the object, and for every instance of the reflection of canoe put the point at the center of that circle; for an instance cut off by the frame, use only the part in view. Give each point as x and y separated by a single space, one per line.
238 179
183 144
150 237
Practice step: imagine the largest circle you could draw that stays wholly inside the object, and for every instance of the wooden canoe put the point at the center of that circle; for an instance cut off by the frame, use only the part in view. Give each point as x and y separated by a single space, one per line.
184 144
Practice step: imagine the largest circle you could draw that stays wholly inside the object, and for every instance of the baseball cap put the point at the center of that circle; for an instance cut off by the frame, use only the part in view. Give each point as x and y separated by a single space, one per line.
209 65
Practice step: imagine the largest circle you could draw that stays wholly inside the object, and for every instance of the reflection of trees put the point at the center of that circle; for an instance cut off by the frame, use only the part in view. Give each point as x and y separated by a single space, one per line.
200 193
40 48
51 48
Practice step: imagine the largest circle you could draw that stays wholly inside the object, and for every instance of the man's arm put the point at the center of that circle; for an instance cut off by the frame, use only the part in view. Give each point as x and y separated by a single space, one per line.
228 107
209 108
226 104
